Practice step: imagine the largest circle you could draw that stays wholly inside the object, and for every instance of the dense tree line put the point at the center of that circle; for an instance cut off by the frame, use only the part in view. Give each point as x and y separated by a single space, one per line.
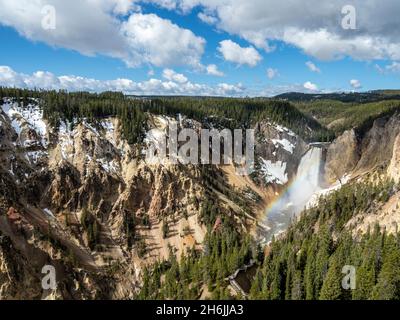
217 112
308 118
242 113
307 263
73 107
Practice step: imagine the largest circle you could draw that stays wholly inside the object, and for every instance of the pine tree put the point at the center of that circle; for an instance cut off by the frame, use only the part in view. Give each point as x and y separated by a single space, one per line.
332 285
388 286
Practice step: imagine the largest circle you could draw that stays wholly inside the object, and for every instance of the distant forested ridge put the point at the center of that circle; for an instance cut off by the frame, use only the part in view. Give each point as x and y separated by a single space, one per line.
346 97
340 116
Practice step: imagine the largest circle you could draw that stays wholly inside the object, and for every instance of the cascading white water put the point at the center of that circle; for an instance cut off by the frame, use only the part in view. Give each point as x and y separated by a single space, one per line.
293 200
307 180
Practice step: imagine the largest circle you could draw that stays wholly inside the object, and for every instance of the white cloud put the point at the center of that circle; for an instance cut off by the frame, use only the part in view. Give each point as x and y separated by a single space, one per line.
123 7
223 89
212 70
171 75
315 27
393 67
10 78
326 45
232 52
356 84
310 86
273 90
207 18
175 84
272 73
158 41
112 28
76 26
96 27
312 67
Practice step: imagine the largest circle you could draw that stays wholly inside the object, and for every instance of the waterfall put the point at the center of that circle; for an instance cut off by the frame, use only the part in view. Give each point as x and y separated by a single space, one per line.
293 200
307 180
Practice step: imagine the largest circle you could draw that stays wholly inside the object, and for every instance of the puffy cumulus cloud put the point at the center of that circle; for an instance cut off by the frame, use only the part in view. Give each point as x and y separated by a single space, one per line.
9 78
42 79
175 84
171 75
312 67
232 52
356 84
108 27
212 70
225 89
310 86
314 27
326 45
160 42
134 37
272 73
76 25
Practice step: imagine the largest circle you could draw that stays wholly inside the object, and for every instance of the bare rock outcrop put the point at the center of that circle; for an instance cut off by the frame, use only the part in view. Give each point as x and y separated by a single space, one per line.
394 167
342 156
281 147
377 145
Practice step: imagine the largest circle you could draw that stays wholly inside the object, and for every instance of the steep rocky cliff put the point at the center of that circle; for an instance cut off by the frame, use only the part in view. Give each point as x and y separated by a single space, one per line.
79 197
394 167
371 155
278 153
354 153
342 156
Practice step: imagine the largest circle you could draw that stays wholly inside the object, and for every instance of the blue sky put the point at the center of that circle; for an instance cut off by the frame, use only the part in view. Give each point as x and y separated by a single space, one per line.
163 63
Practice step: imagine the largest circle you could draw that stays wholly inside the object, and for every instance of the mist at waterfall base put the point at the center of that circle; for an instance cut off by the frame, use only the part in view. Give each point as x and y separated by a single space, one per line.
295 197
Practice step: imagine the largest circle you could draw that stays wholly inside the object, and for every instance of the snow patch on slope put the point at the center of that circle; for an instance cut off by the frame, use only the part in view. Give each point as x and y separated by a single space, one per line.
28 117
274 172
65 139
282 129
284 143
